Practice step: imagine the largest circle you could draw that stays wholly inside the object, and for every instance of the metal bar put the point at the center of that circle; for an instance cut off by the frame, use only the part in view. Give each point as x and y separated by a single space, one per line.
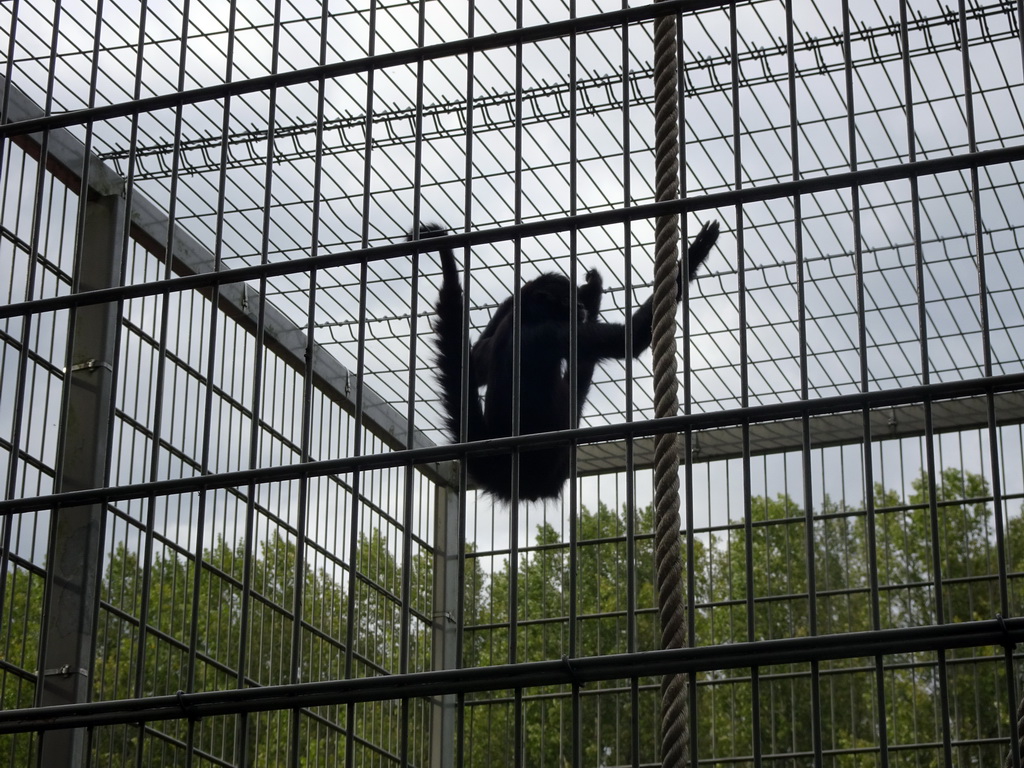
243 727
974 634
596 89
687 444
408 498
299 594
167 239
493 41
629 410
805 421
459 750
13 447
59 641
419 456
744 394
573 641
518 726
18 399
446 627
997 489
212 357
468 46
76 536
728 198
362 391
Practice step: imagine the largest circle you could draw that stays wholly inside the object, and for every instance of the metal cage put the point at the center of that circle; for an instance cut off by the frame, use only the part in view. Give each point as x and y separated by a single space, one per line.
234 532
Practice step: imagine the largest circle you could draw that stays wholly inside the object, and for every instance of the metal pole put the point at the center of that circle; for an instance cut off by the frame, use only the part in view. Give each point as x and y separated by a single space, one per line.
446 622
76 533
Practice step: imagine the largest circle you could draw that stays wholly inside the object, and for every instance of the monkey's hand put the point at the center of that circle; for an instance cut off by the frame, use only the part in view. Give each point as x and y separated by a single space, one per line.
448 268
427 230
697 253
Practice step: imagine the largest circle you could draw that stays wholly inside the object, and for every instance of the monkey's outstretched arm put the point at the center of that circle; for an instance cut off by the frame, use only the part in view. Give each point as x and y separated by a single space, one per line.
604 340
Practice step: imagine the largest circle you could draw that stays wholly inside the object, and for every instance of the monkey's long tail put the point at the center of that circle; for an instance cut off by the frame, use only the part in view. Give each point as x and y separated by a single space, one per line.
448 344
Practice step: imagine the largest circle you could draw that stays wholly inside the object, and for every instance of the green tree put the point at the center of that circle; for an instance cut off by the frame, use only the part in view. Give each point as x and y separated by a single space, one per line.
935 549
599 576
167 594
19 650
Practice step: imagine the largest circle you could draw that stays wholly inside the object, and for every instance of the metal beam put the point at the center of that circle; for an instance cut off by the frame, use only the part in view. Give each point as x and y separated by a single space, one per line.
74 554
286 338
446 621
522 675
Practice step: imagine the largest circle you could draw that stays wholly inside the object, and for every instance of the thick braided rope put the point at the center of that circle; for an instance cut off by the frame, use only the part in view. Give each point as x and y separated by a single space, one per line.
668 554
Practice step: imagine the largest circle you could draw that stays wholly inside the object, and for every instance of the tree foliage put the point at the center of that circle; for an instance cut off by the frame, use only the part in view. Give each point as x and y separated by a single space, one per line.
934 559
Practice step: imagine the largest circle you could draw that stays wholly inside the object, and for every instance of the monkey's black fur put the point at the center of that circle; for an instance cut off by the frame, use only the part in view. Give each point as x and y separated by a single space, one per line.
545 384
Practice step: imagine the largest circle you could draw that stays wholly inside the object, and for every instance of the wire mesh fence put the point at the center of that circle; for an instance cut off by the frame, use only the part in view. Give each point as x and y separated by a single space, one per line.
234 528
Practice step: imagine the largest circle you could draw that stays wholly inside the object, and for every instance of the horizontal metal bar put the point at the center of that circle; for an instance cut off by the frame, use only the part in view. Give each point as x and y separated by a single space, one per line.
729 198
417 456
798 650
827 430
495 40
491 114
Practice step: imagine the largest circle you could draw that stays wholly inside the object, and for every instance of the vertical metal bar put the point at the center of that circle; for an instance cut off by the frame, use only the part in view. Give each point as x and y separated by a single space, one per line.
867 459
123 246
628 414
805 452
463 479
915 213
687 406
447 589
255 434
77 532
75 536
755 679
517 357
517 370
933 515
305 438
158 396
118 243
212 359
409 501
576 711
357 427
986 345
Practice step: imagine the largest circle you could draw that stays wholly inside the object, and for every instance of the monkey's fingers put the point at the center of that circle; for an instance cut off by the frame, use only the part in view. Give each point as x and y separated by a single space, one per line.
701 246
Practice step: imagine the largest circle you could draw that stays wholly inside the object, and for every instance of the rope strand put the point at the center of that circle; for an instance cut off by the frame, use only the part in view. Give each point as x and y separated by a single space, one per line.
668 553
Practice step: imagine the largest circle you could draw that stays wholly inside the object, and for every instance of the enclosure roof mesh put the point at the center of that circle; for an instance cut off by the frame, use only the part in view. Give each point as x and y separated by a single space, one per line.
563 126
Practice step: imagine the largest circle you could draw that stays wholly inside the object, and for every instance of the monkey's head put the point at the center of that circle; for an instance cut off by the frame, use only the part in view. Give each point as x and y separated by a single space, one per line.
546 299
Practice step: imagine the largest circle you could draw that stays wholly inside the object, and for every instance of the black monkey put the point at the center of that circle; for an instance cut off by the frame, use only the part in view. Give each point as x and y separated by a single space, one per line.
545 385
